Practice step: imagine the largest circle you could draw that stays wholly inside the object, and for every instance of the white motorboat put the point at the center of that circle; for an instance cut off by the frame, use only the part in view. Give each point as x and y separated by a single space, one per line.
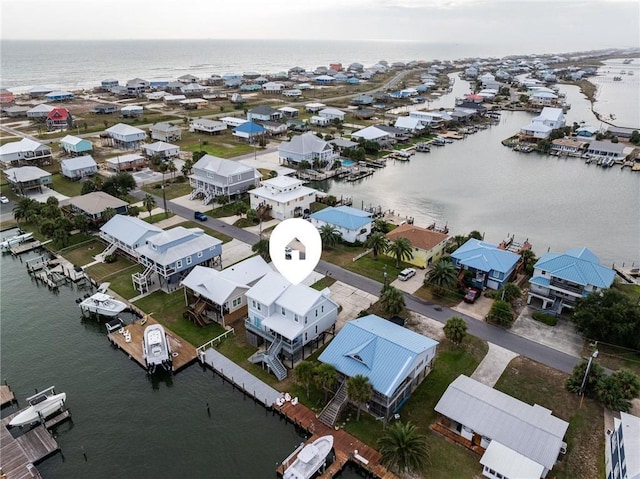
310 459
14 240
102 304
41 406
155 348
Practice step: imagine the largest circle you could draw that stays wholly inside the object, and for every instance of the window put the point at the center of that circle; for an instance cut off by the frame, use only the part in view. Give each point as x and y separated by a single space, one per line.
236 302
200 253
296 318
188 259
253 303
316 329
322 308
282 309
259 308
316 313
179 263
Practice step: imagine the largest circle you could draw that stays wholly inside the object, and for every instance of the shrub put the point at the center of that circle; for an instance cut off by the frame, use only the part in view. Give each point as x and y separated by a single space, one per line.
501 313
545 318
110 259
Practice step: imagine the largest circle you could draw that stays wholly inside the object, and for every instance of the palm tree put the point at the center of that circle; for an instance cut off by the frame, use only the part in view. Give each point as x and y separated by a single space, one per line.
171 168
528 260
455 330
392 300
241 208
377 242
262 248
442 277
149 203
359 391
401 250
379 226
403 448
475 234
222 200
24 209
329 235
61 232
304 372
326 376
186 167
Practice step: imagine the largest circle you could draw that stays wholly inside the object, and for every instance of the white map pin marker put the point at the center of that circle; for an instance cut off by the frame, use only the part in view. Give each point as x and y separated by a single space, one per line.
295 248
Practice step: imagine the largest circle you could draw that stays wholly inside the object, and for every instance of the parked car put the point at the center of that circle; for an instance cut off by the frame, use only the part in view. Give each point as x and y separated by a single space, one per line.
4 200
405 274
472 295
200 216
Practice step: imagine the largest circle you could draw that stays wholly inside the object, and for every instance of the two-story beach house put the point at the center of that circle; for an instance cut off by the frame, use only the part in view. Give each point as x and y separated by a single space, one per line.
94 204
290 320
161 150
72 145
393 358
542 125
307 147
264 113
622 460
213 176
126 233
59 119
490 266
219 296
516 440
559 279
78 167
284 197
126 137
428 245
208 126
28 178
353 225
165 132
25 152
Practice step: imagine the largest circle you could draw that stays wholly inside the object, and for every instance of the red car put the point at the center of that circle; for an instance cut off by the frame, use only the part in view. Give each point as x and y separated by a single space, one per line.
472 295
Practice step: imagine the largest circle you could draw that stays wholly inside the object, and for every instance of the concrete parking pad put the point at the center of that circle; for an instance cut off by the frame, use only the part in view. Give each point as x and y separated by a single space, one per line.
493 365
235 251
194 205
562 337
46 193
477 310
412 284
426 326
352 301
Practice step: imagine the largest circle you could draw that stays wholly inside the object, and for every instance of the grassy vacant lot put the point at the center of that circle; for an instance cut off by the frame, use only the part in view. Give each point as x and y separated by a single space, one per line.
168 310
449 364
211 232
157 217
224 145
450 299
171 190
66 186
342 255
534 383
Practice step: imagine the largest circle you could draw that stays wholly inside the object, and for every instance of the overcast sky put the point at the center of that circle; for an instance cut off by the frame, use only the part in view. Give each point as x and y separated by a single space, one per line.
569 24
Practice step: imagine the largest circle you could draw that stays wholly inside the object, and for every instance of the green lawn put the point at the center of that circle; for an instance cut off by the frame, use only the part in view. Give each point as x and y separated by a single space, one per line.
449 364
222 211
216 234
224 145
123 284
84 254
323 283
244 223
171 190
104 271
168 310
534 383
449 299
157 217
66 186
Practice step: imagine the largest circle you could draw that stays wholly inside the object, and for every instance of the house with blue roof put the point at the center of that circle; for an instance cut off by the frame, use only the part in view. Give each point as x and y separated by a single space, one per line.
352 224
249 131
559 279
491 267
395 360
73 145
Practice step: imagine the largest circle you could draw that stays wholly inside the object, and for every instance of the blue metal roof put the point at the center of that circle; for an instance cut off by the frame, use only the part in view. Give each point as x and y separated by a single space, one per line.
577 265
378 349
250 127
344 217
540 281
485 256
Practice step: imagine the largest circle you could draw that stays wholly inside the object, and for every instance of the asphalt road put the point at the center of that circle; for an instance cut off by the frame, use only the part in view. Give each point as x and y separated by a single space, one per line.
504 338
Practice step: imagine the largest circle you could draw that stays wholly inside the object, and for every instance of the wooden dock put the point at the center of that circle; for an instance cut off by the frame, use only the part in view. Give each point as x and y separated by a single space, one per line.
6 396
18 455
27 246
346 447
183 352
239 377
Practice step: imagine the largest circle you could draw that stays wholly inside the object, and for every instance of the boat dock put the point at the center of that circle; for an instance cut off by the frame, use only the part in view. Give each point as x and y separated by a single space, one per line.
183 352
240 378
346 447
6 396
19 454
26 247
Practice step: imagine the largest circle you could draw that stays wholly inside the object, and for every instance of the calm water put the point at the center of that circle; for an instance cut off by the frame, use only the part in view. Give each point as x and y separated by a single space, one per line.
477 183
127 424
620 99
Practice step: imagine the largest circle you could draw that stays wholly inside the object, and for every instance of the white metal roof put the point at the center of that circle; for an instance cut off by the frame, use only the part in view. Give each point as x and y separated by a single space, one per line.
221 166
269 288
209 283
284 196
79 162
370 133
128 229
299 298
25 173
72 140
631 438
124 129
124 159
510 463
189 241
160 146
42 108
18 146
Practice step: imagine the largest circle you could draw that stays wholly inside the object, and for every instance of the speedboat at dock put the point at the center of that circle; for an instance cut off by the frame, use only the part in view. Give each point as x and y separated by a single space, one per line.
310 459
155 348
41 406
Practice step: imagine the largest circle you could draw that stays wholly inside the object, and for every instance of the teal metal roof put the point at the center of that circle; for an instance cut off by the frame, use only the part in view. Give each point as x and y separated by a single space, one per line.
485 256
378 349
344 217
577 265
539 280
250 128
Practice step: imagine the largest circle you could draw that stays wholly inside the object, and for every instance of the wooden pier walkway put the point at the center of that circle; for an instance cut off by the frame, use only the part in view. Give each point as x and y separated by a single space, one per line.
245 381
347 448
183 352
18 455
6 396
28 246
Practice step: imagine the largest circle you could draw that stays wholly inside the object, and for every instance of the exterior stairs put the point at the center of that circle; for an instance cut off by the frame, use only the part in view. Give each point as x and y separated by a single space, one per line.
270 358
141 280
108 251
331 411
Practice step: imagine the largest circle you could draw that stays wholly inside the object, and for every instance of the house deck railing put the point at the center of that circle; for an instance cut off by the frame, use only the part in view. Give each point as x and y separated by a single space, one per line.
201 349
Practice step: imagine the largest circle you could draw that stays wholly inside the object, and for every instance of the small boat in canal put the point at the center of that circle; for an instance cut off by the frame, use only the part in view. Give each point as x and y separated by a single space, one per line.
155 348
102 304
310 459
41 406
14 240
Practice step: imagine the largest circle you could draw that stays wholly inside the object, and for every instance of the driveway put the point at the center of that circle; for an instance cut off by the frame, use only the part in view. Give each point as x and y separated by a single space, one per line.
46 193
351 299
147 176
562 337
493 365
234 251
412 284
477 310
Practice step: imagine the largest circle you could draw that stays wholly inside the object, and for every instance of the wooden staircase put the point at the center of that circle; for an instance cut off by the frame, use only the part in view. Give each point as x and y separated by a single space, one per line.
331 411
196 313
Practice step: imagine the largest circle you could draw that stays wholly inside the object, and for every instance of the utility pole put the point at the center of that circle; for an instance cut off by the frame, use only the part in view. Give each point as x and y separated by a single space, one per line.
586 373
